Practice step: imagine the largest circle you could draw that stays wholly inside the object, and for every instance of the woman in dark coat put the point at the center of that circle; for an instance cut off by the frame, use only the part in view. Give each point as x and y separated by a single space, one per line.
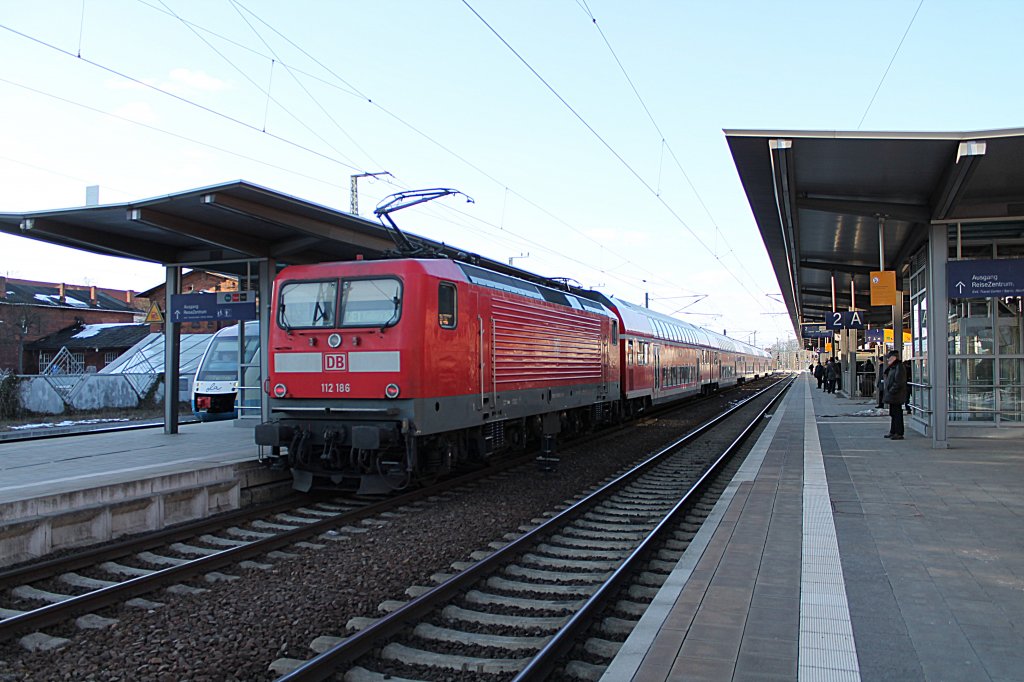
895 394
819 373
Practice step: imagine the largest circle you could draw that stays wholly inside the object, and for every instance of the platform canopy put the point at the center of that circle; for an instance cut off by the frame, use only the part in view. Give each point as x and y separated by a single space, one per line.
819 197
235 221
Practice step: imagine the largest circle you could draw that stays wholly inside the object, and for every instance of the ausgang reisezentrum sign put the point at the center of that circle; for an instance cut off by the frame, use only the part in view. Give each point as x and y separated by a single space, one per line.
984 278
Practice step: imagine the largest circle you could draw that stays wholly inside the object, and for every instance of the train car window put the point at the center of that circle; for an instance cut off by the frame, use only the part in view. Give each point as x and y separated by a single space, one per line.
629 352
447 308
307 304
371 302
552 296
495 280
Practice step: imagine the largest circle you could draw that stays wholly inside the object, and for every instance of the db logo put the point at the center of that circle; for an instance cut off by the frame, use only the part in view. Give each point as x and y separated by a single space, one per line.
334 362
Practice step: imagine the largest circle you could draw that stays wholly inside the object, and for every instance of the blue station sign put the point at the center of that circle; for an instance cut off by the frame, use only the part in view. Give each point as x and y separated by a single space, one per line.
222 305
845 319
815 331
984 278
875 335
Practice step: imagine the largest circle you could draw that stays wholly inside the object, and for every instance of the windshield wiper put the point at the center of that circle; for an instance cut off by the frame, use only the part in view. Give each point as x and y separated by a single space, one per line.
394 315
281 316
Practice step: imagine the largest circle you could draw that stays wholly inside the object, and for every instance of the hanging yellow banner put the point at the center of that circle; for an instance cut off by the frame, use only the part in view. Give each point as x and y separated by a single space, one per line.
889 336
883 287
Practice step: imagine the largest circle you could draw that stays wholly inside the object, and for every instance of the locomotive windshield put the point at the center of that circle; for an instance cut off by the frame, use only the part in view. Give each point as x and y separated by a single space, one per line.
370 302
308 304
373 302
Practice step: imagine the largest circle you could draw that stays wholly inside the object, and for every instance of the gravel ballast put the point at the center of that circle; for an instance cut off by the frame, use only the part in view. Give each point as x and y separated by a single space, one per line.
235 630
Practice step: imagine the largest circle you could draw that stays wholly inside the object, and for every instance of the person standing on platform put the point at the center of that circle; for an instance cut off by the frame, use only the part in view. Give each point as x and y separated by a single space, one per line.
839 374
819 373
830 376
895 390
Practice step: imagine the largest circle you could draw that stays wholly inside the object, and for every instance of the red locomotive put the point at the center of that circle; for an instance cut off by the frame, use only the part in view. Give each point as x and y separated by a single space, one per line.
383 372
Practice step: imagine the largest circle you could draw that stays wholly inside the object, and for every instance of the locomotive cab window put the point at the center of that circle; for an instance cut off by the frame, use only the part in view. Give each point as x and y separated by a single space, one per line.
447 306
371 302
307 304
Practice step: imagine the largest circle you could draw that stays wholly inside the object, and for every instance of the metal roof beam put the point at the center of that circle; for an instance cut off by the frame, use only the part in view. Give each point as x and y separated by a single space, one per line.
956 177
215 236
834 266
915 213
294 221
287 247
92 240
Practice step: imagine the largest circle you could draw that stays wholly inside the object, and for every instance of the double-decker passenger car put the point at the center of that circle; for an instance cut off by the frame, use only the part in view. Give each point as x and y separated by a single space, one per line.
385 371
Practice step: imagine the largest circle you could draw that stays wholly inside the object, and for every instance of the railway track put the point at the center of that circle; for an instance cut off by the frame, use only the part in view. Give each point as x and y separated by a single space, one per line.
90 586
518 609
194 552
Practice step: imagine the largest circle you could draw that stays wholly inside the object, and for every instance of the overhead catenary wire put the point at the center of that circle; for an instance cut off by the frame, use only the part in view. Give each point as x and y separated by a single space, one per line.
323 109
259 87
664 143
889 66
186 100
163 131
172 95
355 90
613 151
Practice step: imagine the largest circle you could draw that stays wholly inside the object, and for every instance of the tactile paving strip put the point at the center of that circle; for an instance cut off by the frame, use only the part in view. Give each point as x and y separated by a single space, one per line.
827 649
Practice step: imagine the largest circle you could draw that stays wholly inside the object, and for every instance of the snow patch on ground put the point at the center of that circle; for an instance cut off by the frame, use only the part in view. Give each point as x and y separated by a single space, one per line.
66 422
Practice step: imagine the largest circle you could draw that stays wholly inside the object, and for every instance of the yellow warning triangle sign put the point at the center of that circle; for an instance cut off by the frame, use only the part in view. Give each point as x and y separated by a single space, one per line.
154 316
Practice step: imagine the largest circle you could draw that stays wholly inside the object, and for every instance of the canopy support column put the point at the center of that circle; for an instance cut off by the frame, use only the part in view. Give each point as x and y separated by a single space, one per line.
172 337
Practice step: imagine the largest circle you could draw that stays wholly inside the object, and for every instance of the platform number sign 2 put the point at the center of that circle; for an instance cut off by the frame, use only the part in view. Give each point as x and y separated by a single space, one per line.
844 319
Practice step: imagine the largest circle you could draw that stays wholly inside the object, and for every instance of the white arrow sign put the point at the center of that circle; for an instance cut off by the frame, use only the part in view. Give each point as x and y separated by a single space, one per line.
960 287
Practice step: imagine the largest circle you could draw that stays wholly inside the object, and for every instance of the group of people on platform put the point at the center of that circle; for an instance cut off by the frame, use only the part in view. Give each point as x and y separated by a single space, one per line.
829 375
892 380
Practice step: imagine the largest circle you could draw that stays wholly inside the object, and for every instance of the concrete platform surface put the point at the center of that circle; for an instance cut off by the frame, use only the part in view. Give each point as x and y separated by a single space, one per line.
837 554
55 465
73 491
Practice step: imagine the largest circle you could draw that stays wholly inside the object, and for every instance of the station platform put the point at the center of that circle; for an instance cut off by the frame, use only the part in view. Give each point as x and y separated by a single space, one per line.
837 554
65 492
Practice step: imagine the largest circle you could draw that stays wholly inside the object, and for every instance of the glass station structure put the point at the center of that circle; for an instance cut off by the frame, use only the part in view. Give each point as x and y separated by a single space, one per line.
832 207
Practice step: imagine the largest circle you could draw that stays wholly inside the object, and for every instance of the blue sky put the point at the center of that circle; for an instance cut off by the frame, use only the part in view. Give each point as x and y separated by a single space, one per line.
543 183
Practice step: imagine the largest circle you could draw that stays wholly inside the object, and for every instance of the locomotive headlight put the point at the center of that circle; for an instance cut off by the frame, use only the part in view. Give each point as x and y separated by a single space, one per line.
280 390
391 391
334 340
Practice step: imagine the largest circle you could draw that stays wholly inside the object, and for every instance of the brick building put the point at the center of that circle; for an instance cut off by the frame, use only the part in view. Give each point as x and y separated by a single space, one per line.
91 347
30 310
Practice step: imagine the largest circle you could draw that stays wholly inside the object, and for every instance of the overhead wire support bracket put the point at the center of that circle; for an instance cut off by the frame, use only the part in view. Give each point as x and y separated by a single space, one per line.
406 199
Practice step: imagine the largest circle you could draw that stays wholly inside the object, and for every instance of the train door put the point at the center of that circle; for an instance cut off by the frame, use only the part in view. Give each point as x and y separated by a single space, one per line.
484 344
630 364
657 370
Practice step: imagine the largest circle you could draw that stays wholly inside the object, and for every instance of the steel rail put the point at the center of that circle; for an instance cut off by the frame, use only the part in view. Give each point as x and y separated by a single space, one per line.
52 614
326 664
545 661
34 572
